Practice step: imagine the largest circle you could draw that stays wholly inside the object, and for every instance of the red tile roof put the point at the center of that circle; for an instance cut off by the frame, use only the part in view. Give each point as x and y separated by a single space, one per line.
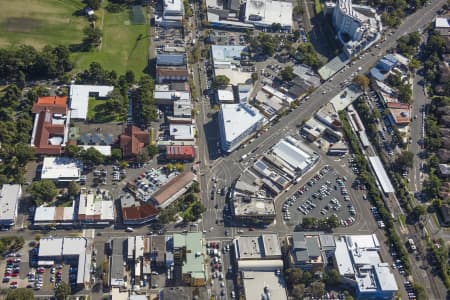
397 105
44 109
133 140
58 105
141 212
171 72
180 152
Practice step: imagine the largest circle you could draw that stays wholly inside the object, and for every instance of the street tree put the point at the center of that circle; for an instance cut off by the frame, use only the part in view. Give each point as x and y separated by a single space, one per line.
362 81
179 167
116 154
287 74
20 294
62 292
152 150
221 81
298 291
317 289
405 159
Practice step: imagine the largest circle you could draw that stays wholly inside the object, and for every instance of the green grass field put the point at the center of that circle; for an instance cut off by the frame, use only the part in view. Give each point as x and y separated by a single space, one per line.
41 22
92 104
124 45
52 22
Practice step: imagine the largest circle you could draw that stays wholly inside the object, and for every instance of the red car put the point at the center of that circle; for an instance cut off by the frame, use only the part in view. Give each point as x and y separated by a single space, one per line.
13 283
10 260
251 229
14 274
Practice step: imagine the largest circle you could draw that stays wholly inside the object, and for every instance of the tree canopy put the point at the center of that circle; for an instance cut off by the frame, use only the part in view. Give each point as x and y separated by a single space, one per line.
62 292
43 190
221 81
362 81
19 294
287 74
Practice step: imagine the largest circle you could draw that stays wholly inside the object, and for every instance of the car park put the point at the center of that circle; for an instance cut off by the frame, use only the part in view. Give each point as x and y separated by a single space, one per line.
320 197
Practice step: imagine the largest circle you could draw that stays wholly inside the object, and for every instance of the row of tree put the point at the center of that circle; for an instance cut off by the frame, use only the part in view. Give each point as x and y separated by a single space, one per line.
396 10
144 103
25 62
15 128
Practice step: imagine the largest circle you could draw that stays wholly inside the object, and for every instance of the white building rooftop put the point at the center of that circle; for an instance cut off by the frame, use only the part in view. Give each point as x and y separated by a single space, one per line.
225 96
264 285
226 53
238 118
93 207
381 174
442 22
182 132
9 201
291 154
236 76
57 248
61 169
79 98
266 12
173 7
357 258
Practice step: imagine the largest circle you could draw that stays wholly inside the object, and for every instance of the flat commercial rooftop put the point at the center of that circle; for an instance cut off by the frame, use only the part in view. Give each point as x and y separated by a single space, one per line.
345 98
381 174
9 201
267 12
264 285
184 132
226 53
257 247
253 206
239 118
61 168
79 98
236 76
333 66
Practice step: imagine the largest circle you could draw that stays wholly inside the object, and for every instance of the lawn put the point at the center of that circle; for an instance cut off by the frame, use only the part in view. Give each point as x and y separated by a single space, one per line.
124 45
96 112
52 22
92 107
41 22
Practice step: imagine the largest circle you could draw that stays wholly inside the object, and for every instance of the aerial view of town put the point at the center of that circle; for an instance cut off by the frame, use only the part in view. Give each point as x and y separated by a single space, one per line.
225 149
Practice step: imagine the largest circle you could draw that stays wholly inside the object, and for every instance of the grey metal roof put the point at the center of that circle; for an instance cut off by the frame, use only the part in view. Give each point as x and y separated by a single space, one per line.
312 245
170 60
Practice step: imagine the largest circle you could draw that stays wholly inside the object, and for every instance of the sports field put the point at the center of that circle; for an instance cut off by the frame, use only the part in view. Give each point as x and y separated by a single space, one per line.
52 22
41 22
124 44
